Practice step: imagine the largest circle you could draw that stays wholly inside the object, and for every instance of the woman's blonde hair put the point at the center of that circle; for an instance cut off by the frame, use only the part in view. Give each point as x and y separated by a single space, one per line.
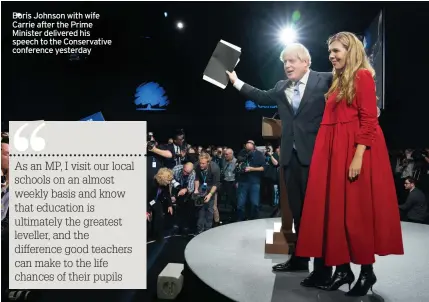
344 81
164 176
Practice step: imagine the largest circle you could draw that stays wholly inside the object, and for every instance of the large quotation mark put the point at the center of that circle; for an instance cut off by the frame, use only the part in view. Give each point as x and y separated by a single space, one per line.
36 143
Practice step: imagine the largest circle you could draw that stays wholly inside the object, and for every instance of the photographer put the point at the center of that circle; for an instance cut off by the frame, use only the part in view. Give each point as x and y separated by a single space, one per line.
191 156
177 149
228 181
271 173
217 157
156 157
250 169
207 180
422 159
159 198
183 185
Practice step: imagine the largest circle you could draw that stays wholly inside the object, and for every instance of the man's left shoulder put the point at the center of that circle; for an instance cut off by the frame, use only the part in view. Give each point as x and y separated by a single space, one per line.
215 165
259 155
168 147
325 75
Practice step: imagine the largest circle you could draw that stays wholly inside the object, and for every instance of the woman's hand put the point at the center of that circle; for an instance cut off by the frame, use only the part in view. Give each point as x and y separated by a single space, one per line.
355 167
170 210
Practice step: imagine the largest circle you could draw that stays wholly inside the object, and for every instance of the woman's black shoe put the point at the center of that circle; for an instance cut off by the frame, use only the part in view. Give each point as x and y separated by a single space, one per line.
365 282
338 279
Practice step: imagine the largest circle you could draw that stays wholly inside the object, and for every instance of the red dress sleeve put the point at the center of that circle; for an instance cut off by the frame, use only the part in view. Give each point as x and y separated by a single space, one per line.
366 100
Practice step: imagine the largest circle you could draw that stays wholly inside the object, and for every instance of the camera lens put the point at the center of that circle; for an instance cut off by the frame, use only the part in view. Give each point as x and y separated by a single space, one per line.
175 183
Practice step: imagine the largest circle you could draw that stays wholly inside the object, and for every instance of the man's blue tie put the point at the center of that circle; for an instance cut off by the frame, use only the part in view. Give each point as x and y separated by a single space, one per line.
296 98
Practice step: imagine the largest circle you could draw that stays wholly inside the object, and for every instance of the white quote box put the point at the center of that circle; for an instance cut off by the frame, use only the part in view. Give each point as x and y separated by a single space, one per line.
111 238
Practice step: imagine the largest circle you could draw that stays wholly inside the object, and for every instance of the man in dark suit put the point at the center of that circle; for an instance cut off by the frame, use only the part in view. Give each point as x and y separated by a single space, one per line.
415 206
301 102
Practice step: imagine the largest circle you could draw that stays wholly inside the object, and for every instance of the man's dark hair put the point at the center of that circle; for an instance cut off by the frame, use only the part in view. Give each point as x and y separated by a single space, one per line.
411 180
177 133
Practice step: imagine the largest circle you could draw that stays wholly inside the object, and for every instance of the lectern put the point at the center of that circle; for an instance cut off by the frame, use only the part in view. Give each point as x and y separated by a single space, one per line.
281 238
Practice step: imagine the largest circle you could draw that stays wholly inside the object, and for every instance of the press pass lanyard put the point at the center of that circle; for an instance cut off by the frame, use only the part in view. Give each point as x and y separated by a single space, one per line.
157 194
204 175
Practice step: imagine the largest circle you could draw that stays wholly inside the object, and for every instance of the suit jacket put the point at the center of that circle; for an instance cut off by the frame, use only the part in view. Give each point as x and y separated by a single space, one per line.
303 126
416 205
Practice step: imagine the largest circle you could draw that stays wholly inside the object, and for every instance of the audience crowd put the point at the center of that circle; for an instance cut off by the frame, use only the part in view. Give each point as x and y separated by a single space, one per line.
242 179
187 183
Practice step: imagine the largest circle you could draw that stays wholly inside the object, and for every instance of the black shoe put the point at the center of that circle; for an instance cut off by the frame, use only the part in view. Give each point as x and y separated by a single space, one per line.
318 278
338 279
365 282
292 265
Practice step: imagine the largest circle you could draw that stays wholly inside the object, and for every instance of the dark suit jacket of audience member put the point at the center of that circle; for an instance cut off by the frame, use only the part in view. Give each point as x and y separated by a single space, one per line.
416 205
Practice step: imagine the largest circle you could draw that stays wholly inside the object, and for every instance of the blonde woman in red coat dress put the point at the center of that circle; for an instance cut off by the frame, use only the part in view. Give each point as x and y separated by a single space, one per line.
350 211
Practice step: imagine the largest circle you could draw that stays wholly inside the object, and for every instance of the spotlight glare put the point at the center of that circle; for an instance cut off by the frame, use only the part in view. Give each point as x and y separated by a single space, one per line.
165 14
180 25
288 35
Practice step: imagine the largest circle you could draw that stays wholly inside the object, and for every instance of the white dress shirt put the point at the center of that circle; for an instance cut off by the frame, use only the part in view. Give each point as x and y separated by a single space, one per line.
178 159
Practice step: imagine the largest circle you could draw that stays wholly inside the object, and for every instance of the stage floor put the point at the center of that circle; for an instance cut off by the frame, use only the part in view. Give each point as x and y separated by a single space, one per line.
231 260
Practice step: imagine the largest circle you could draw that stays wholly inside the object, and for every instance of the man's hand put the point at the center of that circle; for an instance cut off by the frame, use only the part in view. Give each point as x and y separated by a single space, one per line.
232 76
170 210
248 169
173 199
153 149
182 192
183 153
208 197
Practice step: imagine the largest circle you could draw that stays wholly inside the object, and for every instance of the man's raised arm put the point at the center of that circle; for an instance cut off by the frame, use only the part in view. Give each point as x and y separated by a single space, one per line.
262 97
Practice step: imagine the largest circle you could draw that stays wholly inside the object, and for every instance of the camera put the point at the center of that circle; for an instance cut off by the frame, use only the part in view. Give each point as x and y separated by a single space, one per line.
151 143
243 155
242 161
198 199
176 184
